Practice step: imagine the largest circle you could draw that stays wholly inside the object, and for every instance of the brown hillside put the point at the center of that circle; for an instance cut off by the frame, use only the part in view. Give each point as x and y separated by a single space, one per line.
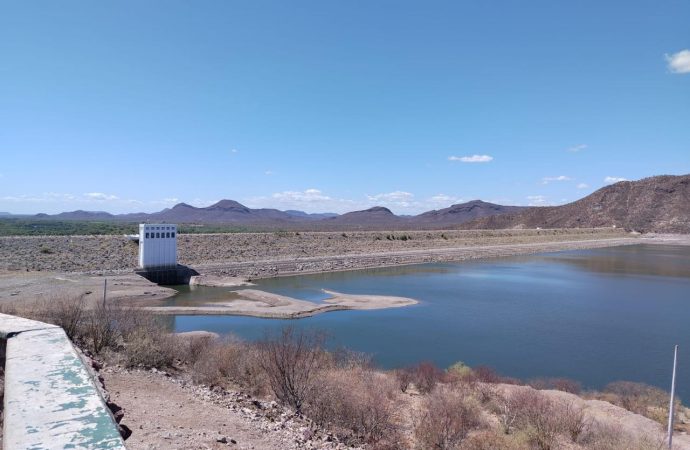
656 204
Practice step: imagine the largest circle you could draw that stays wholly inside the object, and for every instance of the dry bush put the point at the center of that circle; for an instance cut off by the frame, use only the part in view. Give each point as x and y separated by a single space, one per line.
291 362
425 376
221 363
639 398
559 384
460 371
147 343
598 436
571 420
447 418
193 348
357 403
66 313
495 440
541 418
486 374
535 413
404 378
344 358
101 327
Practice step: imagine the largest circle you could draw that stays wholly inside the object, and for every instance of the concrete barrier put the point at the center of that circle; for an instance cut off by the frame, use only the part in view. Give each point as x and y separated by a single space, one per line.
51 401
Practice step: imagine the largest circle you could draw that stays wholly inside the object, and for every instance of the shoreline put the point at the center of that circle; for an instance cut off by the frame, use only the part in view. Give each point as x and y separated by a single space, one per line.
262 304
129 289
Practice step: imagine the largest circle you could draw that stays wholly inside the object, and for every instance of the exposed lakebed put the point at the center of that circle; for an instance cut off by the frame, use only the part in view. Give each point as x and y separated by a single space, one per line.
593 315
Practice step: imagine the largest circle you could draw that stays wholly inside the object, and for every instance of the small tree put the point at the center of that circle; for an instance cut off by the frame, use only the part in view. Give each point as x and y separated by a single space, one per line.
291 362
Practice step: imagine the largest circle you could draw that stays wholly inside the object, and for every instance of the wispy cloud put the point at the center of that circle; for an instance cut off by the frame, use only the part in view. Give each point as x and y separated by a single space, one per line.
679 62
314 200
582 186
611 180
269 173
100 196
577 148
537 200
234 150
443 200
547 180
472 158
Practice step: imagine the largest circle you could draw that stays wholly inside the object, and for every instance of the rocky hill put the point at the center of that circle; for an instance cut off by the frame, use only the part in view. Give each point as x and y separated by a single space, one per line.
463 212
656 204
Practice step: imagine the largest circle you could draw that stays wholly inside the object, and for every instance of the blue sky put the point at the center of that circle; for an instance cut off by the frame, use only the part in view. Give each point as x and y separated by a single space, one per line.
336 106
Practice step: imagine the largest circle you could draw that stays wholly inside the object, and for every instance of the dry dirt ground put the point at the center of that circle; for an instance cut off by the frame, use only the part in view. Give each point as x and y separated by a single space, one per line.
167 413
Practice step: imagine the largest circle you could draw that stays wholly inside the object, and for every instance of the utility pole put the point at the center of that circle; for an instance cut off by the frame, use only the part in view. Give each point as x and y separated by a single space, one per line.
673 393
105 290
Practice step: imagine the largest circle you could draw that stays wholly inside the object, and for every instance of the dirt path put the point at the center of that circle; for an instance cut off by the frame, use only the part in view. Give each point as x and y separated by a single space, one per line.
166 414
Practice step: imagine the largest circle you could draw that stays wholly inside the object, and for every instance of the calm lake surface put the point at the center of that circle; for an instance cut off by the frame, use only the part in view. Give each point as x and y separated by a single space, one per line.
592 315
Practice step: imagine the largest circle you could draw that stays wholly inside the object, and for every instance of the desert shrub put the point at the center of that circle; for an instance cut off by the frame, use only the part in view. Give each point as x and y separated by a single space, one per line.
426 375
403 377
598 436
559 384
149 345
357 403
66 312
345 358
194 348
639 398
460 371
447 418
494 440
486 374
101 327
221 363
571 420
291 362
534 413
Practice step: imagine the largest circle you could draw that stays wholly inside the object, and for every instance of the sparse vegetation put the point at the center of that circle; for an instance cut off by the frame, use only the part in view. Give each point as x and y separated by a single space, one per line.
460 408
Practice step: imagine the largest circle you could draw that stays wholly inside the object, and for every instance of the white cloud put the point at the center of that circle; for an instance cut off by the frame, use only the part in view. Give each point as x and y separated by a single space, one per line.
472 159
269 173
577 148
396 196
537 200
582 186
314 200
611 180
679 62
547 180
100 196
443 200
307 196
234 150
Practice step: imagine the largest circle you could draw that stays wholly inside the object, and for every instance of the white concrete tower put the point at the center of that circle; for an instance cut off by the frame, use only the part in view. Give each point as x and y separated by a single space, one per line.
157 245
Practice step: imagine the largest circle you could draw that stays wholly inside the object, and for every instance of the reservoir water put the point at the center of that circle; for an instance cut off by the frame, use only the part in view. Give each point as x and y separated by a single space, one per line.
592 315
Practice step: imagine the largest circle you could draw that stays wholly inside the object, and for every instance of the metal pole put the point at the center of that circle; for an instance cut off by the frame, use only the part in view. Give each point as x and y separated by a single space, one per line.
105 290
673 393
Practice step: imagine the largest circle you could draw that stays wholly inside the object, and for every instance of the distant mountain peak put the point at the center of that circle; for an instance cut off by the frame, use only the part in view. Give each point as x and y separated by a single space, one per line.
182 206
378 209
228 204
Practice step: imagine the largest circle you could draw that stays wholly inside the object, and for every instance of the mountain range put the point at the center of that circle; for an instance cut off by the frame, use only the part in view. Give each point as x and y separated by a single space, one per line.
660 204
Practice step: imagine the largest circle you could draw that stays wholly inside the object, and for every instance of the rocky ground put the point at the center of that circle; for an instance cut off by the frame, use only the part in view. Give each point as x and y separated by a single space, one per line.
106 254
166 412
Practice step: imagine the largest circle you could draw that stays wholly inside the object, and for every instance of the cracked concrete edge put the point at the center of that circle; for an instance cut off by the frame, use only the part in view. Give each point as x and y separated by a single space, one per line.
51 401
